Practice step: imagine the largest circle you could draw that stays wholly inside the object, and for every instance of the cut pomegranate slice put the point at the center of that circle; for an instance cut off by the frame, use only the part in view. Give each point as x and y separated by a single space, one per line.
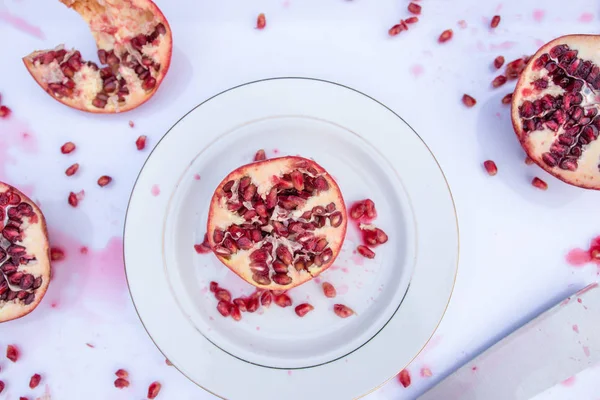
555 109
277 223
134 48
24 254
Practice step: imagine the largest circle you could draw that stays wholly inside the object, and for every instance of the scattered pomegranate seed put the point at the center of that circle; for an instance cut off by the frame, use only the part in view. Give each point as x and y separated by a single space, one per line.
73 199
414 8
104 180
342 311
411 20
214 286
495 21
490 167
396 29
499 81
357 210
131 124
252 304
4 112
67 148
329 290
72 169
468 100
370 210
445 36
121 373
91 346
140 143
404 378
224 308
240 303
365 251
303 309
169 363
260 155
498 62
204 247
153 390
528 161
283 300
23 398
57 254
223 295
266 298
540 184
1 386
261 21
12 353
507 99
35 381
121 383
235 313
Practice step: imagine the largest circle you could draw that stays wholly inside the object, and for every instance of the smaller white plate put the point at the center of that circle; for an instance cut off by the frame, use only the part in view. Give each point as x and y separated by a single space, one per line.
399 297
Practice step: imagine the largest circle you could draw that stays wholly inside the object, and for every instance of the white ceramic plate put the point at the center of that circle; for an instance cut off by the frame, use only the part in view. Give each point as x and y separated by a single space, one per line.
399 297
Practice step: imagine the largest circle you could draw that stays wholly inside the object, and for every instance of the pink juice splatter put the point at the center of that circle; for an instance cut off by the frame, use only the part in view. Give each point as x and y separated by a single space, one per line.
579 257
21 24
538 15
586 17
155 190
569 381
417 70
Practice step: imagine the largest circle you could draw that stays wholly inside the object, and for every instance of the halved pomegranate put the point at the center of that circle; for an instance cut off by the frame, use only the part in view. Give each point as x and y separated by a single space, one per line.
555 109
277 223
134 43
24 254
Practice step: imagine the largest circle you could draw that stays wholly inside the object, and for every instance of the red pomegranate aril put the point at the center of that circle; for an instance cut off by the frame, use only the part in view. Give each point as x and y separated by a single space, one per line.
153 390
365 251
468 100
495 21
528 161
121 373
303 309
104 180
370 210
261 21
445 36
140 143
329 290
498 62
507 99
396 29
121 383
252 304
260 155
404 378
223 294
342 311
4 112
72 169
67 148
35 381
224 308
12 353
358 210
538 183
411 20
499 81
73 201
2 386
236 313
240 303
283 300
213 287
266 298
490 167
414 8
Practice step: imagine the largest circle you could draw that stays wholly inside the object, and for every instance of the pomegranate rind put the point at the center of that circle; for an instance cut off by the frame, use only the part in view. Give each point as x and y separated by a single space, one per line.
90 11
587 175
240 263
35 239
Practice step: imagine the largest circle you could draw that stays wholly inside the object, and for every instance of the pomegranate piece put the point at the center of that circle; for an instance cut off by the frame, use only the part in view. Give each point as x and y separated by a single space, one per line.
104 180
12 353
555 109
121 373
5 112
24 256
411 20
303 309
260 155
140 143
507 99
134 49
498 62
35 381
495 21
414 8
468 100
277 223
342 311
365 251
499 81
404 378
538 183
490 167
445 36
329 290
283 300
72 170
121 383
261 21
67 148
153 390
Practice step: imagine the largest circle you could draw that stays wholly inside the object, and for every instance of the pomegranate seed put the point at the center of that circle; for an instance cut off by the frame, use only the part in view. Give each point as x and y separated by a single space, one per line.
202 248
370 209
266 298
72 169
528 161
140 143
365 251
57 254
131 124
404 378
396 29
73 199
358 210
445 36
121 383
153 390
235 313
495 21
252 304
342 311
4 112
498 62
104 180
241 304
260 155
303 309
538 183
214 286
169 363
223 295
67 148
23 398
329 290
35 381
283 300
411 20
499 81
468 100
261 21
1 386
224 308
121 373
507 99
490 167
12 353
414 8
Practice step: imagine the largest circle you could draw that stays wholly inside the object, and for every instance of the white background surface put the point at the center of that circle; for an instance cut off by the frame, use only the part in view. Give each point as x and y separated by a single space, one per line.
513 237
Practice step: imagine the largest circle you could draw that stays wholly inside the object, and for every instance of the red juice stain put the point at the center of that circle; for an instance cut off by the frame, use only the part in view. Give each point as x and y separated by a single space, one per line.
426 372
276 151
474 369
586 351
21 25
417 70
155 190
197 177
568 382
538 15
575 328
579 257
586 17
463 24
83 250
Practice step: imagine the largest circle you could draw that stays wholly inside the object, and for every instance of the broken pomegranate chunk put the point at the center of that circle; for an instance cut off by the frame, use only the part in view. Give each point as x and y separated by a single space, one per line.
24 257
445 36
277 223
342 311
490 167
303 309
35 381
134 49
153 390
468 100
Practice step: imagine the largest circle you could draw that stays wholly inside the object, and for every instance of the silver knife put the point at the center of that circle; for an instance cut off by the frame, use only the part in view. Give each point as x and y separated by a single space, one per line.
554 346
